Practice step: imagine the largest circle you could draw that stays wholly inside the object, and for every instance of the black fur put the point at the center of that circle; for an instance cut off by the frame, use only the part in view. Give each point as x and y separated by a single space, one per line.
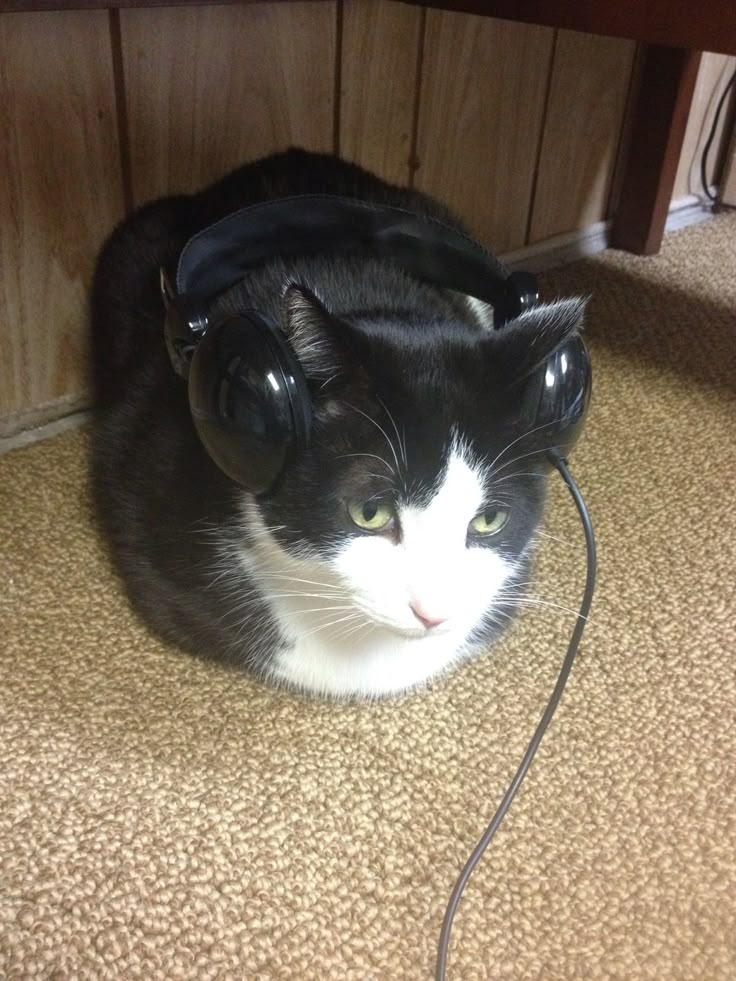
373 342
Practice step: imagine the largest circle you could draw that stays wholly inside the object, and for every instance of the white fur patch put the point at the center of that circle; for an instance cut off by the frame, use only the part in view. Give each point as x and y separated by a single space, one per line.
350 620
482 312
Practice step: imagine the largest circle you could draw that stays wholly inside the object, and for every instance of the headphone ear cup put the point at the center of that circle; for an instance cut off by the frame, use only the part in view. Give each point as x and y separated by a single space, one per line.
249 400
556 397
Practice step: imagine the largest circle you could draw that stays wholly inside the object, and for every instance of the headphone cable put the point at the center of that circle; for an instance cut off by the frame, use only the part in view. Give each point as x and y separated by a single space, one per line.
706 149
561 465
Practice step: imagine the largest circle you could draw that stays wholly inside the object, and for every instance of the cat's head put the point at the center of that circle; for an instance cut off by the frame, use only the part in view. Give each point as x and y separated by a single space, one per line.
408 520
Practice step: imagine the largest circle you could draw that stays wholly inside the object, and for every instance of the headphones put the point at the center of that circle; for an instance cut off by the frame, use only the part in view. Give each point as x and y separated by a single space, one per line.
247 393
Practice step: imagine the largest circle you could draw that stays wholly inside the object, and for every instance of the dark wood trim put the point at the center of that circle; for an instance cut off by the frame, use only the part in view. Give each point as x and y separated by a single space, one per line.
337 95
711 26
663 104
18 6
708 26
121 108
417 105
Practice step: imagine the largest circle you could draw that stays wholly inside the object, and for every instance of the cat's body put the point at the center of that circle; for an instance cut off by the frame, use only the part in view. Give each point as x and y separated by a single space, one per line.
414 423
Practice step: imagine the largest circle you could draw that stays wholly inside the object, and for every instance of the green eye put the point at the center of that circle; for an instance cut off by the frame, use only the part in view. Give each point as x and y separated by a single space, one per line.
488 522
371 515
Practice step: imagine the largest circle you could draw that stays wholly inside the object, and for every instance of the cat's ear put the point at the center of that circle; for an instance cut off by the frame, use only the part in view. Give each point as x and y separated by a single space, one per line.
321 343
525 343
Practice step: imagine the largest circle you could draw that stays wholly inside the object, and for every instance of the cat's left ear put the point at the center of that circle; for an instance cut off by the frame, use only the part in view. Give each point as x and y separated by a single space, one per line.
323 345
524 344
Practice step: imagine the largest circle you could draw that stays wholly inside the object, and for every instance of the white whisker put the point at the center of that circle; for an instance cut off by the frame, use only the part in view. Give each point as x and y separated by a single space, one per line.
529 432
510 476
508 446
402 448
529 601
562 541
522 456
359 638
332 623
309 582
374 456
354 629
325 596
381 430
316 609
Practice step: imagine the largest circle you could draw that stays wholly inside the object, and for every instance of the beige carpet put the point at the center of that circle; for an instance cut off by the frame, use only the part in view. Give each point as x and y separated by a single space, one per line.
161 818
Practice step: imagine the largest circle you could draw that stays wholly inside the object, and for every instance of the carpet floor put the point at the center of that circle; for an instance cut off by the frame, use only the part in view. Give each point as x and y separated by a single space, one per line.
163 818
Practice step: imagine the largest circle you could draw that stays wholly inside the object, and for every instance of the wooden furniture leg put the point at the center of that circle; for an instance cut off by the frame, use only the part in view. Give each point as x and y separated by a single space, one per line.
667 85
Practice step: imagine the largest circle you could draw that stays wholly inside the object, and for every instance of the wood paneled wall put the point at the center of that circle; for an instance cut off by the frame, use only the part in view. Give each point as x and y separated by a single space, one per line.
480 129
517 127
60 192
207 88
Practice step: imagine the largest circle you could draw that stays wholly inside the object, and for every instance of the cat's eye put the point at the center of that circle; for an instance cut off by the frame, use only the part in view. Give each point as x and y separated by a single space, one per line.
488 522
371 515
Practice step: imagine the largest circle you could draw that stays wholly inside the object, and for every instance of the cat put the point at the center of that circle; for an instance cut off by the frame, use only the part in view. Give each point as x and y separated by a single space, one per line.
393 548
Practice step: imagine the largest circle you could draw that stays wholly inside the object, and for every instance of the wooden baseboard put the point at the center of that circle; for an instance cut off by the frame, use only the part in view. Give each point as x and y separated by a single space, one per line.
563 249
38 433
560 249
24 420
687 211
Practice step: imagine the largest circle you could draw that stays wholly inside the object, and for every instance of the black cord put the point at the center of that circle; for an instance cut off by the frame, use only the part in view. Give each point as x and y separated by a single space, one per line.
444 941
709 142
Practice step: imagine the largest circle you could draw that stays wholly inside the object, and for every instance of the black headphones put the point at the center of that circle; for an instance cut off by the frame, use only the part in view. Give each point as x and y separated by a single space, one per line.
248 396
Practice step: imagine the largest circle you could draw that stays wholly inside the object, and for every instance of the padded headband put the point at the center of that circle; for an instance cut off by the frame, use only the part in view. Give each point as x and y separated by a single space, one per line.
218 256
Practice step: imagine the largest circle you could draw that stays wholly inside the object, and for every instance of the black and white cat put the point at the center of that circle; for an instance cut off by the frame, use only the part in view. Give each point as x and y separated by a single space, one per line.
397 544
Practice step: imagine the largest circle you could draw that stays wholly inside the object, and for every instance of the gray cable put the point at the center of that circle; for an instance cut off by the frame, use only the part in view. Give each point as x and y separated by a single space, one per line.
444 941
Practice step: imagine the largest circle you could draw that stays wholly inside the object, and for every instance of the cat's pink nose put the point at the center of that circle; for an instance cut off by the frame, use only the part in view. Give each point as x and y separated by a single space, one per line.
428 619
